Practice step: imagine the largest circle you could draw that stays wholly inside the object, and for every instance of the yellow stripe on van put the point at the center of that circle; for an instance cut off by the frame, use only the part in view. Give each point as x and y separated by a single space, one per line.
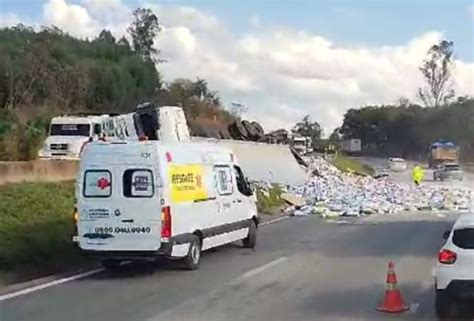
187 183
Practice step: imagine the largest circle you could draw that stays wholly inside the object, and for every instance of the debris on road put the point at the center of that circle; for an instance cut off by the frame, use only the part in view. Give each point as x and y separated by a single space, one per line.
332 193
293 199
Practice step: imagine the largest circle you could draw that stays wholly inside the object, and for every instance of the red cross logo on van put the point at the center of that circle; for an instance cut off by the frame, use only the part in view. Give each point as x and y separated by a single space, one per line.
103 183
199 181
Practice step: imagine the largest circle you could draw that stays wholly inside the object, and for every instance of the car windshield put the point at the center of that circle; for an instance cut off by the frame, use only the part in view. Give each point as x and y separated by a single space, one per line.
464 238
70 130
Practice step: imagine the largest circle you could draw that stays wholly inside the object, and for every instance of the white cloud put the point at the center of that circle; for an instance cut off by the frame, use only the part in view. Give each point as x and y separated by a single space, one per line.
9 19
280 74
471 10
110 14
74 19
284 74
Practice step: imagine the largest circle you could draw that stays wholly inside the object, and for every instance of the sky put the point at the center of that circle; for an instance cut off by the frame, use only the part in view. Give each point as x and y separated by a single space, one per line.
284 59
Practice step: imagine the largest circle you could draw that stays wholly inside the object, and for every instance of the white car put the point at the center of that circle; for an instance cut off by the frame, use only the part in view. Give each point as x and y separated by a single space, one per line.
454 275
397 164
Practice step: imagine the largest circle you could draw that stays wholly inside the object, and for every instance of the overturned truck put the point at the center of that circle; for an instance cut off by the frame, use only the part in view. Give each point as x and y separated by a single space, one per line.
274 163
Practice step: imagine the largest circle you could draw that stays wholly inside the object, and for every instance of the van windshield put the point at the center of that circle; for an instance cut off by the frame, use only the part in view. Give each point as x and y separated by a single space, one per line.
70 130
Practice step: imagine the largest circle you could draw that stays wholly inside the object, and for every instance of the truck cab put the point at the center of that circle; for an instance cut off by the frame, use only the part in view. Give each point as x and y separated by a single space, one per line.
68 135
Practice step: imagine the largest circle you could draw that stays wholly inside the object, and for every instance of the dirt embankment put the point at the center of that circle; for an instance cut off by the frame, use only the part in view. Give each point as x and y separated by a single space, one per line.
37 171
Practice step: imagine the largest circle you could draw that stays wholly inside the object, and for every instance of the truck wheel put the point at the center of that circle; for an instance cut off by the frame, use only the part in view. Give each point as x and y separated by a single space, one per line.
241 130
111 265
258 129
193 258
251 240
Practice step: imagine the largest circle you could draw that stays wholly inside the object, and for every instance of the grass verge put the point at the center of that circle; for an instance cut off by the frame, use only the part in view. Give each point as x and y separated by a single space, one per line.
351 165
35 229
269 201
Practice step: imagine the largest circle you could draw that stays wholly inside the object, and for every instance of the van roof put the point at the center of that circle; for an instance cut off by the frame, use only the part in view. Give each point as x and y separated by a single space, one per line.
131 151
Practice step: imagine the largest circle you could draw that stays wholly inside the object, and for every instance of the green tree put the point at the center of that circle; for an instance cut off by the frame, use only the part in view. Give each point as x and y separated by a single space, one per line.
106 36
437 69
123 42
143 31
407 131
306 127
335 135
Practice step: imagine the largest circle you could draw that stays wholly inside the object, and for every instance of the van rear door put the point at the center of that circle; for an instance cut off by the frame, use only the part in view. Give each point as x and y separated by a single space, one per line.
120 209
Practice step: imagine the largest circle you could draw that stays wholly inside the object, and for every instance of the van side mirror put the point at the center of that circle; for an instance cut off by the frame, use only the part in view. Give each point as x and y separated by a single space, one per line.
446 234
249 187
97 129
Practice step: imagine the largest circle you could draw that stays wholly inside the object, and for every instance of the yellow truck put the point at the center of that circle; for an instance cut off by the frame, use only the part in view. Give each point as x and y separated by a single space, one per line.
441 152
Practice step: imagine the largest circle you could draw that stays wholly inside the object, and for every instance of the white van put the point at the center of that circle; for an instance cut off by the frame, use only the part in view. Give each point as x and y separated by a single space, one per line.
142 200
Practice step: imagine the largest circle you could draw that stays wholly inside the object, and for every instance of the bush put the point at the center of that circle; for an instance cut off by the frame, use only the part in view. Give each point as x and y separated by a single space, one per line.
35 224
21 141
269 202
351 165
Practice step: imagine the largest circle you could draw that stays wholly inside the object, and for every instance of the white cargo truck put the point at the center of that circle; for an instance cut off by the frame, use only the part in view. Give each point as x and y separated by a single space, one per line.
301 144
166 123
351 146
140 200
68 135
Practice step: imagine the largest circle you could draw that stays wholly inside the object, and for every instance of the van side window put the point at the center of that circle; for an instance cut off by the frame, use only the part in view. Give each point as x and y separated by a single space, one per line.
97 183
138 183
242 184
223 180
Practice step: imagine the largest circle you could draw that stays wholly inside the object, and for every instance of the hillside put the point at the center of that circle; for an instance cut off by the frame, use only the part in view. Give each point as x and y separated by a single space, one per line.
48 72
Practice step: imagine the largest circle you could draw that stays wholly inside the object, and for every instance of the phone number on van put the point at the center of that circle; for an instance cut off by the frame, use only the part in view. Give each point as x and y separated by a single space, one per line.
122 230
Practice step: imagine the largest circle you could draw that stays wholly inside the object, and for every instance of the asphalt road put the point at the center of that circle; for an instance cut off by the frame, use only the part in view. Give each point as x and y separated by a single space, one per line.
380 164
303 269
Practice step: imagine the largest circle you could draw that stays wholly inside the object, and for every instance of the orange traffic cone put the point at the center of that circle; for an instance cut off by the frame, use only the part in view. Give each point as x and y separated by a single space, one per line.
393 301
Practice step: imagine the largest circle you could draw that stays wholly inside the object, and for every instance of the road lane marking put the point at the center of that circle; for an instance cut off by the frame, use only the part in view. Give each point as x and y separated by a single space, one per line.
48 285
81 275
274 220
425 287
414 308
247 275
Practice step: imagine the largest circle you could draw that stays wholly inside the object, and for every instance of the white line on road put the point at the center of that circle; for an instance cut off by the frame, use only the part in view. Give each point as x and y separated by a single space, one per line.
258 270
49 284
414 308
274 221
81 275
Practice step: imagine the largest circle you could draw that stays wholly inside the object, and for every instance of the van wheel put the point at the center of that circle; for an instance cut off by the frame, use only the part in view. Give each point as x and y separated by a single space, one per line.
192 259
111 264
251 240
